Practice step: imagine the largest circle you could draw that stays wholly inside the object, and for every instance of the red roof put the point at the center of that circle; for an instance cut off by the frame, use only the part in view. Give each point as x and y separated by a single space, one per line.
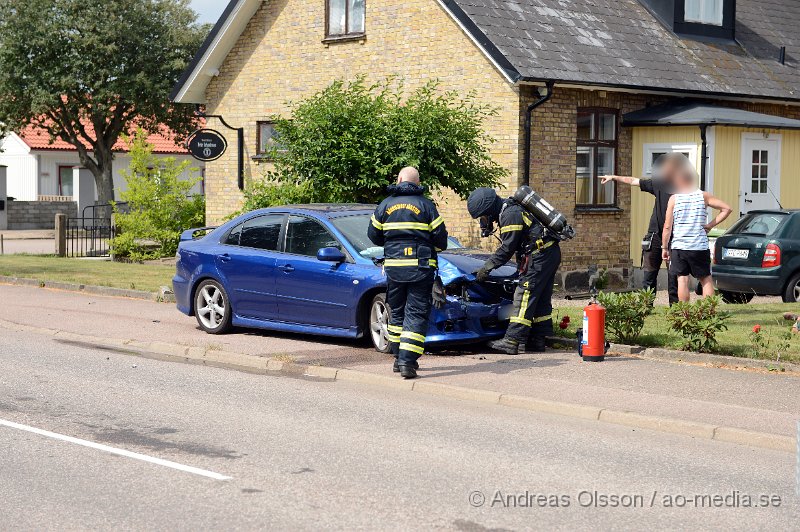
39 139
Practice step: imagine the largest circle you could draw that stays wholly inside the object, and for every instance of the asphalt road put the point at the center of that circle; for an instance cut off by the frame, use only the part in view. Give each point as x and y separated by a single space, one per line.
309 454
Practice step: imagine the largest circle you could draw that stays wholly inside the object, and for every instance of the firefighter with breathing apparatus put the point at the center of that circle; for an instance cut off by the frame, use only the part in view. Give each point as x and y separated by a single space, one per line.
531 229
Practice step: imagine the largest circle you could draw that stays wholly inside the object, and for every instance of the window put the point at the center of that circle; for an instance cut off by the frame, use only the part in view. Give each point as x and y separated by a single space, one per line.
760 172
267 137
305 236
233 237
704 12
346 18
653 151
262 232
596 156
759 224
65 187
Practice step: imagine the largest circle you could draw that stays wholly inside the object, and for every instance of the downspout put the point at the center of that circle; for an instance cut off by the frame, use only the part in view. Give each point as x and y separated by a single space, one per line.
528 124
703 156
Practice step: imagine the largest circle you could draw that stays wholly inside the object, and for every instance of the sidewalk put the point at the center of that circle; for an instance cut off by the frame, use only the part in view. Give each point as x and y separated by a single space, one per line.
31 234
749 400
33 242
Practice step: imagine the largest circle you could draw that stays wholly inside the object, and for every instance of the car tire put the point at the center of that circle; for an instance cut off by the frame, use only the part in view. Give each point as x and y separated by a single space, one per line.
212 307
736 298
378 322
791 293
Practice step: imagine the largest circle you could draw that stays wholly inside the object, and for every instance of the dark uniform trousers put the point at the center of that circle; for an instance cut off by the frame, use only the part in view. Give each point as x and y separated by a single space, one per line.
651 265
411 307
533 305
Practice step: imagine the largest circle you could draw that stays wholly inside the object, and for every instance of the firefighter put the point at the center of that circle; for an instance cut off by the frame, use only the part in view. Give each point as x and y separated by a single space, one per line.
538 257
411 231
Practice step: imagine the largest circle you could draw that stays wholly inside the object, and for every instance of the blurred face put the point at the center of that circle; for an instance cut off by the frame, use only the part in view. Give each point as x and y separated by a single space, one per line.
667 171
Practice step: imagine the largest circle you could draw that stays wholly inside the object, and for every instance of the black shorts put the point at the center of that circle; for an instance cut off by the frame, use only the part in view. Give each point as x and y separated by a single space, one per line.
696 263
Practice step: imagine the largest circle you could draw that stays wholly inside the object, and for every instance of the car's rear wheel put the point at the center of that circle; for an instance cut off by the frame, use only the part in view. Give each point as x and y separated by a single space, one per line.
792 292
736 298
212 308
379 314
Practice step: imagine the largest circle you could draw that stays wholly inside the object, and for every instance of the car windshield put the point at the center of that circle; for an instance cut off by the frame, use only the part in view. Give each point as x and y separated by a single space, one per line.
759 224
354 228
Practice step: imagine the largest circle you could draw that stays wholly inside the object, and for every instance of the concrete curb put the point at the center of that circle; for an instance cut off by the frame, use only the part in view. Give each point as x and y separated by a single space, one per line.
657 353
264 365
89 289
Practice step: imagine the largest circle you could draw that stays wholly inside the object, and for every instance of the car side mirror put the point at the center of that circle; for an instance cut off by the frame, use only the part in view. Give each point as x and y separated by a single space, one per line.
330 255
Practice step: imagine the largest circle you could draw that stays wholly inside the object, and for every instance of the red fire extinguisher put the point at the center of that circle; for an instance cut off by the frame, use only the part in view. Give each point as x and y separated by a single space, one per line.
593 348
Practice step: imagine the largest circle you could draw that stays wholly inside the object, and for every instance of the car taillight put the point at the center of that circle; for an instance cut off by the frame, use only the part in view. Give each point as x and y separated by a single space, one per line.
772 256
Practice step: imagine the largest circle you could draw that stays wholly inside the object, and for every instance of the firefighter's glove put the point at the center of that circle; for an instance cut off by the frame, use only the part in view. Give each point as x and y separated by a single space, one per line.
439 293
483 274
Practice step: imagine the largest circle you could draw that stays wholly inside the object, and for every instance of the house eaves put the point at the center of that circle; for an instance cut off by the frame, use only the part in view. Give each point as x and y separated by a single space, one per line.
191 88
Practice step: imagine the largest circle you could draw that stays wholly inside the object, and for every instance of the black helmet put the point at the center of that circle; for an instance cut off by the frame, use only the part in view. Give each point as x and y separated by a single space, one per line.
482 202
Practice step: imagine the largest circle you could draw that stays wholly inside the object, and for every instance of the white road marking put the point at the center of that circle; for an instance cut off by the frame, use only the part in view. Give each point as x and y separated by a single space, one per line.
114 450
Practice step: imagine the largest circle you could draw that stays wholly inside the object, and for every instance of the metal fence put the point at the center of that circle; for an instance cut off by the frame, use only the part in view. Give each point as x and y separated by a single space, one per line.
89 235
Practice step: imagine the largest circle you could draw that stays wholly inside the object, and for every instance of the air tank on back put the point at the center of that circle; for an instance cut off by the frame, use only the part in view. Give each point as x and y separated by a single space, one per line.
545 213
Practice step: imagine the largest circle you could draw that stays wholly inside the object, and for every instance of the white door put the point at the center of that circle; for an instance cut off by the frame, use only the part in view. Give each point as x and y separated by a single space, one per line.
761 173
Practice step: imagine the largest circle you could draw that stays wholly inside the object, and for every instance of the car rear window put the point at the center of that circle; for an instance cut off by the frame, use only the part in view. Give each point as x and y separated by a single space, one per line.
262 232
759 224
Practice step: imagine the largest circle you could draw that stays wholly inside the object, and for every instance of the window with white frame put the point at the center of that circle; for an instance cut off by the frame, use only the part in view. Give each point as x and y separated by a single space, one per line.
597 143
653 151
704 12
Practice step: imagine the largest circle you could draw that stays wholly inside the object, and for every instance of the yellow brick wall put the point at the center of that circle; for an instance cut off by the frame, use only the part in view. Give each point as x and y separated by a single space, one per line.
281 57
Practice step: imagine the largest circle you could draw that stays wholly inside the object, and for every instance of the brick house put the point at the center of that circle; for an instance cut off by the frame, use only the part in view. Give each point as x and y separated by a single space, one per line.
631 79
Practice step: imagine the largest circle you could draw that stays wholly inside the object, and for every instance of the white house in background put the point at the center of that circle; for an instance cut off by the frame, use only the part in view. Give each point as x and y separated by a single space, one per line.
41 170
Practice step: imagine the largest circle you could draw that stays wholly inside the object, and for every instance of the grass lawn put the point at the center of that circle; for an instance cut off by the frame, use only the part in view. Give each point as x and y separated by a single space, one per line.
735 341
148 277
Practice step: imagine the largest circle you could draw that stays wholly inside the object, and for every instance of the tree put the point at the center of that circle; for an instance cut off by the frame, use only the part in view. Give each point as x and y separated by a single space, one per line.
347 142
160 206
89 72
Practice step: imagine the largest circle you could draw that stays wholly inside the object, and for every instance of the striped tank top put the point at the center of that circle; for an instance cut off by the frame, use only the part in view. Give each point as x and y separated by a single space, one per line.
689 218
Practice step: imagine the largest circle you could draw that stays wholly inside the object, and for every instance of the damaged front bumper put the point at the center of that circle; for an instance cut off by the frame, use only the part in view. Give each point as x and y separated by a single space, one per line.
474 312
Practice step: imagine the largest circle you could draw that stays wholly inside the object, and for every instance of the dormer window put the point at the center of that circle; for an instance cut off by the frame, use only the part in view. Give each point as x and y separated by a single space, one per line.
704 12
715 19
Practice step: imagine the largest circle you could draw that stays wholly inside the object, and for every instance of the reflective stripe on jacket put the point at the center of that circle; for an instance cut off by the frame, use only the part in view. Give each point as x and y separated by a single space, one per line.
519 234
411 231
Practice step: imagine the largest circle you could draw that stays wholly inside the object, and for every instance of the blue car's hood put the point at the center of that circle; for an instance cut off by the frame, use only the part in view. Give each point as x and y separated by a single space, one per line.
458 264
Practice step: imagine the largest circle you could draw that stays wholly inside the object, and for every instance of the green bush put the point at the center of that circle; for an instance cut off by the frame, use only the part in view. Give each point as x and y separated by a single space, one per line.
699 323
348 142
159 203
626 312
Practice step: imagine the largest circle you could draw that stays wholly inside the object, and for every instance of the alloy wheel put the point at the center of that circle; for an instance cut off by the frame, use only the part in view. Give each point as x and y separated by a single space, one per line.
213 313
379 324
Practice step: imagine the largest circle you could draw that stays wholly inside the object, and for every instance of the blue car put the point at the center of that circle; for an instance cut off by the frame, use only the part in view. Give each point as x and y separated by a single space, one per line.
311 269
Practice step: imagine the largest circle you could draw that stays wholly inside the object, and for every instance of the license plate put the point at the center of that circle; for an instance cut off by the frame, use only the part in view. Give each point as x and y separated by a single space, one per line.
735 253
505 312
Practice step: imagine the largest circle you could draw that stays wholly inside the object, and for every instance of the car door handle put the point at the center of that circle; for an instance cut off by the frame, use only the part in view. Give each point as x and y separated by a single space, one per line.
225 258
287 268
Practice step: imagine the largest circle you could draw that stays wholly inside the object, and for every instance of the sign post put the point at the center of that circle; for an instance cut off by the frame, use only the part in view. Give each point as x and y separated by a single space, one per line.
207 145
208 142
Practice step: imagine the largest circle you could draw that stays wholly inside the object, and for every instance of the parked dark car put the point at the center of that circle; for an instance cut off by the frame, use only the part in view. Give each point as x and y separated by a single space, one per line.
759 255
311 269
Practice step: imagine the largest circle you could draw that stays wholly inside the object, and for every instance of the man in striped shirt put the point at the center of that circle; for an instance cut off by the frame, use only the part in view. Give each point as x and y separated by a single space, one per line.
685 239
